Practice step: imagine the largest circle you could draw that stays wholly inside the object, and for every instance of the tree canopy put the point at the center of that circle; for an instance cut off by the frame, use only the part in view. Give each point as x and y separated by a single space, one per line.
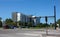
58 21
0 22
8 21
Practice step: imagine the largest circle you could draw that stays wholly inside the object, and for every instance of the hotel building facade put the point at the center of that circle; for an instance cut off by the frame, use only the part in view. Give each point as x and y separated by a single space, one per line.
17 16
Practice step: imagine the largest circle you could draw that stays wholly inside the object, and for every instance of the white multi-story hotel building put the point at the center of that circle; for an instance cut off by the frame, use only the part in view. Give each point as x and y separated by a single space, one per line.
16 16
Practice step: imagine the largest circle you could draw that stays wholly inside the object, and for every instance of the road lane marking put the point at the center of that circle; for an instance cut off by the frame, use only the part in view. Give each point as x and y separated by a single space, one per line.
5 35
29 34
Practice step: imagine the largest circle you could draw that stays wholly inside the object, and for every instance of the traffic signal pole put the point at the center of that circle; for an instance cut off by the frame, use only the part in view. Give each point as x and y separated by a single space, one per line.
55 16
46 25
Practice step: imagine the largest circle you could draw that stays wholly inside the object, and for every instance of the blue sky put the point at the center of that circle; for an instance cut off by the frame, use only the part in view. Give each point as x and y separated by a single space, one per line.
29 7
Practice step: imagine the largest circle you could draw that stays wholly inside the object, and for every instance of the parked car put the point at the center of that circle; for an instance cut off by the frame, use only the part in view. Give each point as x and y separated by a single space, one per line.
6 27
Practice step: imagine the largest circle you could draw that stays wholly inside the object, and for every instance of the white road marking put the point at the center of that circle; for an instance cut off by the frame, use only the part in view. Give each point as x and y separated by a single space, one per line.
50 36
5 35
29 34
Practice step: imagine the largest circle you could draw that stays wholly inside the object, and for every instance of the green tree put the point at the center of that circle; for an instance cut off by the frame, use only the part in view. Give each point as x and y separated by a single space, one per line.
22 23
0 18
30 24
19 23
8 21
58 22
41 25
0 22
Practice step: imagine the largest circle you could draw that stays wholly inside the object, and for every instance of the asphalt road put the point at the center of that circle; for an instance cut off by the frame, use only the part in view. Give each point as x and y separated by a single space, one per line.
28 33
